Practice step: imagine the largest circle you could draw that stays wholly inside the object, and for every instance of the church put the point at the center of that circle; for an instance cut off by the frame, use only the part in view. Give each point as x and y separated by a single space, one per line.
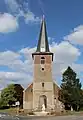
43 89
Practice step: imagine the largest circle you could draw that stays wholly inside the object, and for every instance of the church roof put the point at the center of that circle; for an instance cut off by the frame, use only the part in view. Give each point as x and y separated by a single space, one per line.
55 86
43 45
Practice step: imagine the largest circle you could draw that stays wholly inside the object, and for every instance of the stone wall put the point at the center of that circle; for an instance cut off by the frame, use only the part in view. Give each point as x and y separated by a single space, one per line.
28 99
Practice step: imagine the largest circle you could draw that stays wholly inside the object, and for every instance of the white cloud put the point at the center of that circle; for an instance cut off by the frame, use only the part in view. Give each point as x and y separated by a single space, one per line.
30 17
12 6
17 9
65 52
8 23
14 77
8 57
50 39
76 37
27 51
64 55
77 67
21 9
21 62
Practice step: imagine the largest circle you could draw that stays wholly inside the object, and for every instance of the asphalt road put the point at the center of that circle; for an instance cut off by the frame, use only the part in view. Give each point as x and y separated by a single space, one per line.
8 117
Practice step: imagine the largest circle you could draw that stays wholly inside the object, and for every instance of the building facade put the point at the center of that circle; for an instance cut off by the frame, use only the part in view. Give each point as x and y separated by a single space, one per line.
43 90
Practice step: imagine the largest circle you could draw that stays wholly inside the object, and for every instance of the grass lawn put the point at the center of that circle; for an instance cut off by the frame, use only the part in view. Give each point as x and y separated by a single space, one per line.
10 110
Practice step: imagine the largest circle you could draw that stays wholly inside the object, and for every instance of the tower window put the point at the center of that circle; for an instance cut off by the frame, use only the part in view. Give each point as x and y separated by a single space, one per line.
42 60
42 84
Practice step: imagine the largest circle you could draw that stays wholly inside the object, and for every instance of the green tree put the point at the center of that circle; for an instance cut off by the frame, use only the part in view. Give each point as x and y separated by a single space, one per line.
8 95
11 94
70 93
19 94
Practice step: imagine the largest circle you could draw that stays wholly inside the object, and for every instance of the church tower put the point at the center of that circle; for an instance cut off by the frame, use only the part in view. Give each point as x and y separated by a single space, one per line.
43 84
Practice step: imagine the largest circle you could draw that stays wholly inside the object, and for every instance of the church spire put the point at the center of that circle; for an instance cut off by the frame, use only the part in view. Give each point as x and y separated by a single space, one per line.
43 45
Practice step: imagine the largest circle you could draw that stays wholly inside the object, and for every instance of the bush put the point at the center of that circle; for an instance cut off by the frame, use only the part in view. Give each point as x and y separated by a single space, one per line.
3 105
31 113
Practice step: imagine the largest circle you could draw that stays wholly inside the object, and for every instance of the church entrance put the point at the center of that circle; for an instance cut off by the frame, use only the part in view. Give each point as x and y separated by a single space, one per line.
42 100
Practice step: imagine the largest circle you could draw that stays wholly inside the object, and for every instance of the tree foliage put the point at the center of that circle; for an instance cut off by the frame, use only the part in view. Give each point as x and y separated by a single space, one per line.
71 93
19 93
11 94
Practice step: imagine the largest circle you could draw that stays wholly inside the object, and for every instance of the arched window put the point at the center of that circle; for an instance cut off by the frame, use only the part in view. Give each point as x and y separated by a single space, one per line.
42 57
42 60
42 84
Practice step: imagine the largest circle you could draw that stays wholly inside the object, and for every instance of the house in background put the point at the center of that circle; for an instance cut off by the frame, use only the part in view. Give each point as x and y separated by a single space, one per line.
43 90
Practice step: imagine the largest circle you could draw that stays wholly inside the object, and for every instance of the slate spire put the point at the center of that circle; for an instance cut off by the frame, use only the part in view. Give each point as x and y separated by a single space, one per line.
43 45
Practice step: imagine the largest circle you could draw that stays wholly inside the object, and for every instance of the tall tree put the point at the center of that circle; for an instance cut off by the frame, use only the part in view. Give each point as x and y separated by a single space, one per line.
19 94
70 93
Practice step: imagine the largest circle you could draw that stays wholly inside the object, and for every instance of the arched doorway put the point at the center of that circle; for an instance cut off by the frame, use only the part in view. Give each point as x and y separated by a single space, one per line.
42 100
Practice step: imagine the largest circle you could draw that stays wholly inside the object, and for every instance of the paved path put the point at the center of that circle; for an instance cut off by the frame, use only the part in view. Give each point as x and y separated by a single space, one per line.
7 117
55 118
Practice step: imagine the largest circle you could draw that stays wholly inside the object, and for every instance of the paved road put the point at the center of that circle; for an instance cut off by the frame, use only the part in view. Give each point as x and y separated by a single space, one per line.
7 117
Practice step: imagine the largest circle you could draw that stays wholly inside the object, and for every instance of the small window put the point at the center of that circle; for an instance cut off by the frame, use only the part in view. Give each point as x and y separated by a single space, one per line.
42 61
42 84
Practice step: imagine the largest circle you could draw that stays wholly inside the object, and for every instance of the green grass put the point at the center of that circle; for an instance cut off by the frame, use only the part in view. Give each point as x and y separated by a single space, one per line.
10 110
73 113
66 113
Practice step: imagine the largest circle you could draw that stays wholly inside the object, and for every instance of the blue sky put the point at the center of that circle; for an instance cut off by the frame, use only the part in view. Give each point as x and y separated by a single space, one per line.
19 30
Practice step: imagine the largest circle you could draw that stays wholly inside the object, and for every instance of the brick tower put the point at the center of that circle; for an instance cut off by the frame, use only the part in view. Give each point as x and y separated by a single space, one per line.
43 92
